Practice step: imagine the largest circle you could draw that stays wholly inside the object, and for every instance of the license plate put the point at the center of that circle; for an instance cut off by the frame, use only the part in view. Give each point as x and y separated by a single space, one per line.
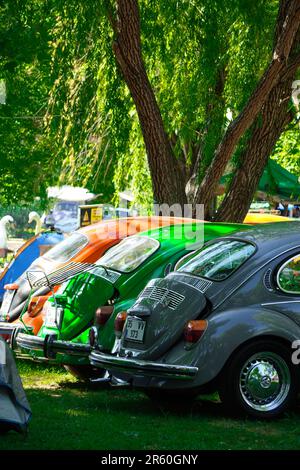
135 330
50 317
7 301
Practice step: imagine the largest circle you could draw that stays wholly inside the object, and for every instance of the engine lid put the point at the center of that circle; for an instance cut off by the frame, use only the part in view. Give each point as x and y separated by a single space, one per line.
165 306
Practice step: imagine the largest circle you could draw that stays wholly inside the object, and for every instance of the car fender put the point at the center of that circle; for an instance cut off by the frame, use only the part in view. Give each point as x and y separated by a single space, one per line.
228 331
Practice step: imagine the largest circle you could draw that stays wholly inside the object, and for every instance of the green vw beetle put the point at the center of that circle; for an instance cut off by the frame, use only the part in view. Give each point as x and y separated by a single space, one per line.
111 285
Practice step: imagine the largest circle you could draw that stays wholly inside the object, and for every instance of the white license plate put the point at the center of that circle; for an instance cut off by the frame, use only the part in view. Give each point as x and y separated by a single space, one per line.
7 301
50 317
135 330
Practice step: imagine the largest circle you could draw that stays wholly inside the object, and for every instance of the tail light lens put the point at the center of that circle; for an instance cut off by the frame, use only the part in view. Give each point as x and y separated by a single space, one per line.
13 286
103 314
36 305
194 330
119 323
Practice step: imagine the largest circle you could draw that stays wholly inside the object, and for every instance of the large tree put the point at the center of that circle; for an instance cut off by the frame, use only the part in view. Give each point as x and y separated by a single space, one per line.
176 71
169 186
275 115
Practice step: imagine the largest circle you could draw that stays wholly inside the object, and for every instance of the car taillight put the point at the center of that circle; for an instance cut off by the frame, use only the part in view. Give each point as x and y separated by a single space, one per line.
13 286
194 330
36 305
103 314
119 323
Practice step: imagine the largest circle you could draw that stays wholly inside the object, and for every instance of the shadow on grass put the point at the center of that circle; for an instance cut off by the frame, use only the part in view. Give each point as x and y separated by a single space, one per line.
76 415
133 401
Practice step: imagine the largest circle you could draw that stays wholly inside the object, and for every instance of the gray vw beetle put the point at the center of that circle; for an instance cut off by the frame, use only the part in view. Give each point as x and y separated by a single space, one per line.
226 319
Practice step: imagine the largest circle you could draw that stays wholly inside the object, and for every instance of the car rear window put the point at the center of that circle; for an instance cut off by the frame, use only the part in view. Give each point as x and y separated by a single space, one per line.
129 254
68 248
217 261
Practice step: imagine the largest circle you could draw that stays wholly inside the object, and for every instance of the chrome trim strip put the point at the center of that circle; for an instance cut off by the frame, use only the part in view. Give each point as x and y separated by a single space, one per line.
283 302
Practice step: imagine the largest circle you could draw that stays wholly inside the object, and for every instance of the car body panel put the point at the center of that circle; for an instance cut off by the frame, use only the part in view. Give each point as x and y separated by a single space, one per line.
100 237
173 245
242 308
264 218
25 255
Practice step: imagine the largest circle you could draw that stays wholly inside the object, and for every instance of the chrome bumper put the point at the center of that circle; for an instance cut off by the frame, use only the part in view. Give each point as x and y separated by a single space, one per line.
137 366
51 346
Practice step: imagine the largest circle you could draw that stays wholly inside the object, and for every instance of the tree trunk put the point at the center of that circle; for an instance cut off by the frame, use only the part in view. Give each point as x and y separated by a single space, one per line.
266 131
289 18
167 178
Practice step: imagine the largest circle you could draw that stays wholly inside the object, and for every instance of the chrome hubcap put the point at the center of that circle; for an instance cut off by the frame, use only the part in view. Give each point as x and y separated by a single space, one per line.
265 381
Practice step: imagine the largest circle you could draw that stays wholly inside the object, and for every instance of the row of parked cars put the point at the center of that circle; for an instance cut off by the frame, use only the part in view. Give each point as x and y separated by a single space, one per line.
175 307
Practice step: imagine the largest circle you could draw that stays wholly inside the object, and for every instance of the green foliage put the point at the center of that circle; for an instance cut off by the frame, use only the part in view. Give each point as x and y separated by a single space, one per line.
21 228
69 116
287 150
87 115
202 58
25 158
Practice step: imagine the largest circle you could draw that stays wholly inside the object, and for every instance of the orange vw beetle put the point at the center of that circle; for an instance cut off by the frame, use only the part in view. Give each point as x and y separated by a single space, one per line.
85 245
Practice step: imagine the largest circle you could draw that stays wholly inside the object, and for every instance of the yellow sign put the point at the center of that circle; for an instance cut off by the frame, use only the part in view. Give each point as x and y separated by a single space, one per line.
90 214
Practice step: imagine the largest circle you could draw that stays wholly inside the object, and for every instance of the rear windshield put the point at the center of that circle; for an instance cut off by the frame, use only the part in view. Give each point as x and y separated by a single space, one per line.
217 261
68 248
129 254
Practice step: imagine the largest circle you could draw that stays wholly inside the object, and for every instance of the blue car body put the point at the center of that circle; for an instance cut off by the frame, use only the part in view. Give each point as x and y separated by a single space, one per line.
26 254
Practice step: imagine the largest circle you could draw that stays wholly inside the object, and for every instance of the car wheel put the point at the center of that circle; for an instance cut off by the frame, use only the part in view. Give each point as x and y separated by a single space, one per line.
260 380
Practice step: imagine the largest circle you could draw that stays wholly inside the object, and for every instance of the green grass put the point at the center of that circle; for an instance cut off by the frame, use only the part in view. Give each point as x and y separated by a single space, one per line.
68 414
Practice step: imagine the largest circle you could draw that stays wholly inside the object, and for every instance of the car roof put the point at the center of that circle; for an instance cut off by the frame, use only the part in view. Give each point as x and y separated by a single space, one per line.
195 233
273 236
140 222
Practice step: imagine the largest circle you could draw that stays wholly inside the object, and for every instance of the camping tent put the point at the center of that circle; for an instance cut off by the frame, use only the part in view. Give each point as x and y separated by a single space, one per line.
275 180
15 411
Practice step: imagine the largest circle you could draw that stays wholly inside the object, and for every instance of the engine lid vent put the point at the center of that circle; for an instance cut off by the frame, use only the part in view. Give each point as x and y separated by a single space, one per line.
268 280
167 297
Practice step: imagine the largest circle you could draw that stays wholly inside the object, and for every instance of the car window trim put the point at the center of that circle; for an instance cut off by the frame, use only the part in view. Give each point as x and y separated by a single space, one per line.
279 270
212 242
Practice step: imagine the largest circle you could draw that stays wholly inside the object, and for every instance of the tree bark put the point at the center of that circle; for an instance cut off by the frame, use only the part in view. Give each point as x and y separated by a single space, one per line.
266 131
287 26
167 179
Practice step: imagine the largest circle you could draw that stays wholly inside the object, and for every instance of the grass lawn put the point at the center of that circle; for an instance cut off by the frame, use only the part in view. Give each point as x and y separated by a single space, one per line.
68 414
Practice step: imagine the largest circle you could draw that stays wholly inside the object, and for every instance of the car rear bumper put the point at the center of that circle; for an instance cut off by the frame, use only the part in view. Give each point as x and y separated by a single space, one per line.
8 328
50 346
137 366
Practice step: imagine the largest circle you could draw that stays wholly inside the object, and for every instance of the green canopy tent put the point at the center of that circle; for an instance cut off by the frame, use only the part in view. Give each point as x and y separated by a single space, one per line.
275 180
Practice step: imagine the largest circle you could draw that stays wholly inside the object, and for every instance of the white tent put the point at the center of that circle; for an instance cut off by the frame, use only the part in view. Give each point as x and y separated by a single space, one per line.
70 193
